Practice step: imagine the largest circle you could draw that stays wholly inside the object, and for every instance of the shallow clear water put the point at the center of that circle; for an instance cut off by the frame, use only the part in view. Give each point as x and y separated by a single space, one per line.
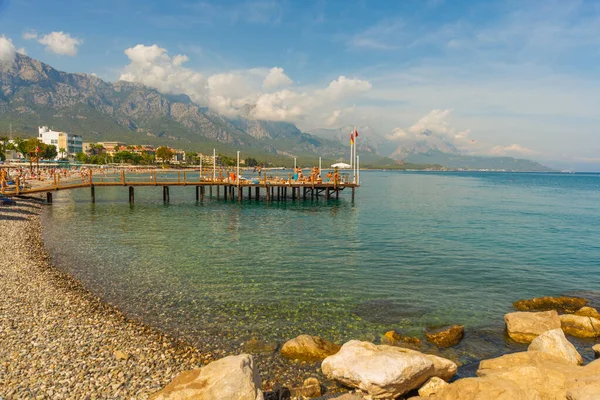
413 250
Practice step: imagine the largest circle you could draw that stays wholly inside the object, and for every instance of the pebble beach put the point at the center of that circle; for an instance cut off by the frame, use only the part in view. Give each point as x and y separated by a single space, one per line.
59 341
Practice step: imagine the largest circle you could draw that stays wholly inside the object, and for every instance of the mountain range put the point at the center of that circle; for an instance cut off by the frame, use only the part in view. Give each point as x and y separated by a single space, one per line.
33 94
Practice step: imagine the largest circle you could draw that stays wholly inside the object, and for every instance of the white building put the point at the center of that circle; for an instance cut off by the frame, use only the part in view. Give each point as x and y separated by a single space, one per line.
61 140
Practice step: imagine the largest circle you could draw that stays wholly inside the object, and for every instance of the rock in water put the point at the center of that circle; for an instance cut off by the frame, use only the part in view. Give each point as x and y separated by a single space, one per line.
308 348
255 346
576 325
523 327
596 349
447 336
432 386
395 339
588 312
233 377
384 372
554 342
563 303
311 388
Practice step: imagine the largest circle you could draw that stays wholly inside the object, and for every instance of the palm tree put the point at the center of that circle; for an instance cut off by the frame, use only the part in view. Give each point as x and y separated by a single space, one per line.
62 151
4 140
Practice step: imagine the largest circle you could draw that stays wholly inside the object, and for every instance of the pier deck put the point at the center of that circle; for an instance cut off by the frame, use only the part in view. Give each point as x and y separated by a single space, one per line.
272 188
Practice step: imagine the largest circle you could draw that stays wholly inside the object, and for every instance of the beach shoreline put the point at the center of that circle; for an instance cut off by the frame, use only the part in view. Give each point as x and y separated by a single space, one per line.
61 341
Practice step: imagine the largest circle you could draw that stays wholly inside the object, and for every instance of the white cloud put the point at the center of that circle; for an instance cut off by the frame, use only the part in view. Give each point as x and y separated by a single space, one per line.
227 92
56 42
21 50
435 121
333 118
30 35
152 66
343 87
7 50
276 78
513 149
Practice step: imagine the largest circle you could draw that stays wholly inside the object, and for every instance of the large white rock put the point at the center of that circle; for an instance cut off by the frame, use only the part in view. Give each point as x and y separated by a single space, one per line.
231 378
384 372
523 327
554 342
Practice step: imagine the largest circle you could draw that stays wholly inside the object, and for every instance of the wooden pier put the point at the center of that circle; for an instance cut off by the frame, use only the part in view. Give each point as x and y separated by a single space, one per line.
268 187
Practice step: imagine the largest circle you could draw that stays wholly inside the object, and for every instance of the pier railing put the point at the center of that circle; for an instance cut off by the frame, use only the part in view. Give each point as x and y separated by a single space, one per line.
271 184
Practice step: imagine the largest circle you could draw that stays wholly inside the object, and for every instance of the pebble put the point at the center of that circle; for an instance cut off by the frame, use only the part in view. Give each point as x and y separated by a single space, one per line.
59 341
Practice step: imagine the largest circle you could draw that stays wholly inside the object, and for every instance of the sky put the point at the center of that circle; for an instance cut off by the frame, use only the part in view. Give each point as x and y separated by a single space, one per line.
495 77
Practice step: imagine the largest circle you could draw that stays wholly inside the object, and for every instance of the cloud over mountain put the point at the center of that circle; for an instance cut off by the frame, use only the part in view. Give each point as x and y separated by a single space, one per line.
60 43
270 91
435 121
7 49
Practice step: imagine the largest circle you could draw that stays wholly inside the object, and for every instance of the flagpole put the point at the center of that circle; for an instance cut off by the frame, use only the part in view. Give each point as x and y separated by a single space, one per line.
214 165
354 155
358 170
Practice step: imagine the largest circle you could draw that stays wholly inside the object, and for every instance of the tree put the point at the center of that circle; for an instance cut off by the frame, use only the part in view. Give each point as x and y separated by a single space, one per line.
164 153
251 162
191 157
62 151
82 158
4 140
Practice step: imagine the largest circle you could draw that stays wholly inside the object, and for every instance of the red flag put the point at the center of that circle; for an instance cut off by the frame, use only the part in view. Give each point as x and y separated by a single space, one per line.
355 133
352 138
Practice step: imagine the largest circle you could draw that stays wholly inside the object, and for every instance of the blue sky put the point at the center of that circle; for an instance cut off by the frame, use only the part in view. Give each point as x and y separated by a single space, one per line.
520 78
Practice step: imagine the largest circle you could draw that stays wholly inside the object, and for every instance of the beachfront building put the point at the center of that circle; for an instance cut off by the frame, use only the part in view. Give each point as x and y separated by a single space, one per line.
144 148
207 159
178 156
72 144
113 148
13 155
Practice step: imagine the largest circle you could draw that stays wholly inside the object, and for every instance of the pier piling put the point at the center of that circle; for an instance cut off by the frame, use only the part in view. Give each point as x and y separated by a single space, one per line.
93 193
165 194
131 195
49 197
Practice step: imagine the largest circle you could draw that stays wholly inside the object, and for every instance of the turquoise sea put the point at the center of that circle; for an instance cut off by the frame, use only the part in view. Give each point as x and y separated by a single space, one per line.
415 249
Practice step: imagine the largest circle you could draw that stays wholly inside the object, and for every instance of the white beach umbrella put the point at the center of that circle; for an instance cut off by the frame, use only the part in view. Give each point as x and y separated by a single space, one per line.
341 165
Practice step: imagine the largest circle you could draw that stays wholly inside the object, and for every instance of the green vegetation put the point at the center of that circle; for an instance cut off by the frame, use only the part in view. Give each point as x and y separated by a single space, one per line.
164 153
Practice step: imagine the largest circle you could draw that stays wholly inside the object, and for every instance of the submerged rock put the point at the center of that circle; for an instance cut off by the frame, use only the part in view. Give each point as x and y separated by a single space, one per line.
562 303
389 312
393 338
447 336
308 348
555 343
384 372
311 388
579 326
233 377
256 346
523 327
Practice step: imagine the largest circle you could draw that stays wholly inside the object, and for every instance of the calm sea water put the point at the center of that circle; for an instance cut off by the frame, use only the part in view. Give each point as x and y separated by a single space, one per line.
413 250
